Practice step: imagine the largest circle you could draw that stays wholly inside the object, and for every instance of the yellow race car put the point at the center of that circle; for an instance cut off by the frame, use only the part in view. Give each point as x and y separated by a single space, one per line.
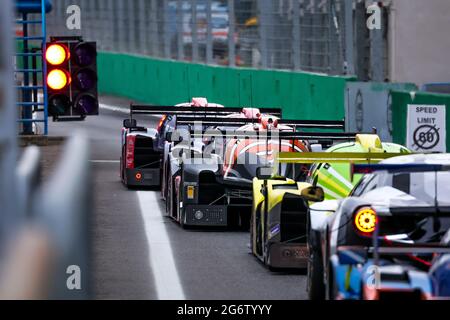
285 209
280 220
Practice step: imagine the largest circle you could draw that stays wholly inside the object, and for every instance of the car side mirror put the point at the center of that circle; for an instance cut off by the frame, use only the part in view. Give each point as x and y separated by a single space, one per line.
264 173
313 193
130 123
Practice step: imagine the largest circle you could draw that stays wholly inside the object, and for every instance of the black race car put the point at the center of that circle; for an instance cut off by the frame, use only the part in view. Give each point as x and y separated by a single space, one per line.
144 149
215 188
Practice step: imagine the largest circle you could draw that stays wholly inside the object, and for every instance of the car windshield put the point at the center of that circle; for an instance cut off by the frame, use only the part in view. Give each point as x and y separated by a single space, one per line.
421 187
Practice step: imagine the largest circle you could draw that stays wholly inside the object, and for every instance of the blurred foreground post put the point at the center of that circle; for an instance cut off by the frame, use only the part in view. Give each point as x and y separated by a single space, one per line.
63 208
8 127
48 256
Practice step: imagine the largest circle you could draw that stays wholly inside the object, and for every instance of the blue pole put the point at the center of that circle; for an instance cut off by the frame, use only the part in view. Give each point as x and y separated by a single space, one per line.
44 65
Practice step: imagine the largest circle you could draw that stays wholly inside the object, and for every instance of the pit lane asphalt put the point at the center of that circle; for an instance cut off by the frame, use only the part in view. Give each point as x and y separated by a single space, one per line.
211 264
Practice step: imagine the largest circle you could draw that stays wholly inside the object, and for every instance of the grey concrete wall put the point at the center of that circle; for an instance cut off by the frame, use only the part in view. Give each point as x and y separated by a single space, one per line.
419 41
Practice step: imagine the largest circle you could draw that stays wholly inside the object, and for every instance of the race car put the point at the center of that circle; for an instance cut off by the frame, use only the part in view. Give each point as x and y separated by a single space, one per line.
215 188
408 252
142 155
225 119
142 147
387 239
140 159
280 220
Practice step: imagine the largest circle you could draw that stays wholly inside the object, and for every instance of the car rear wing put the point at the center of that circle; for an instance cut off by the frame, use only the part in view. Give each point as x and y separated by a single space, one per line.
295 124
325 139
314 124
136 109
399 167
212 121
333 157
406 248
354 254
285 135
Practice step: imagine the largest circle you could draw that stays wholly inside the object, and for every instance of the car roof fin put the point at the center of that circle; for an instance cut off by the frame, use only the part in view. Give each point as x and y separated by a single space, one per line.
370 142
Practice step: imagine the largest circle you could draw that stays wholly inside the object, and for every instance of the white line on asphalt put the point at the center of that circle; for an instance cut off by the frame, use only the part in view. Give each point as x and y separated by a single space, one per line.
104 161
168 285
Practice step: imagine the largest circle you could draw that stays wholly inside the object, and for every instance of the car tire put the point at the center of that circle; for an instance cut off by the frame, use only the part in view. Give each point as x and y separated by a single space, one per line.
316 287
332 285
168 199
173 201
252 235
180 212
165 180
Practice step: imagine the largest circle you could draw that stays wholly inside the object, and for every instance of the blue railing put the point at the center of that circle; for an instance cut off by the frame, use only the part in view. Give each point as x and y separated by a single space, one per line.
33 47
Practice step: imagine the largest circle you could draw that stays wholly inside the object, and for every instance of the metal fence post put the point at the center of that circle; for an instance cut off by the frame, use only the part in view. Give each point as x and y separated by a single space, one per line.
263 20
376 53
349 39
120 25
180 24
154 28
317 36
131 35
167 33
194 30
296 35
103 16
84 16
209 40
142 27
89 30
231 31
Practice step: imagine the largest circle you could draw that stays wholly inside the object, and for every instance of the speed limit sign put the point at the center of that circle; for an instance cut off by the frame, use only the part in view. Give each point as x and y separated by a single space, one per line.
426 131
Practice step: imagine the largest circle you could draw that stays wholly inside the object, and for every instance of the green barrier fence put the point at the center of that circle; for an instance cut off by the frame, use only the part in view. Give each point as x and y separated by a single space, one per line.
400 101
301 95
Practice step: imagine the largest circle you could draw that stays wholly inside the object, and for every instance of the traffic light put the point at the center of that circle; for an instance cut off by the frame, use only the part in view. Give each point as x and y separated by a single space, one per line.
58 79
71 78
